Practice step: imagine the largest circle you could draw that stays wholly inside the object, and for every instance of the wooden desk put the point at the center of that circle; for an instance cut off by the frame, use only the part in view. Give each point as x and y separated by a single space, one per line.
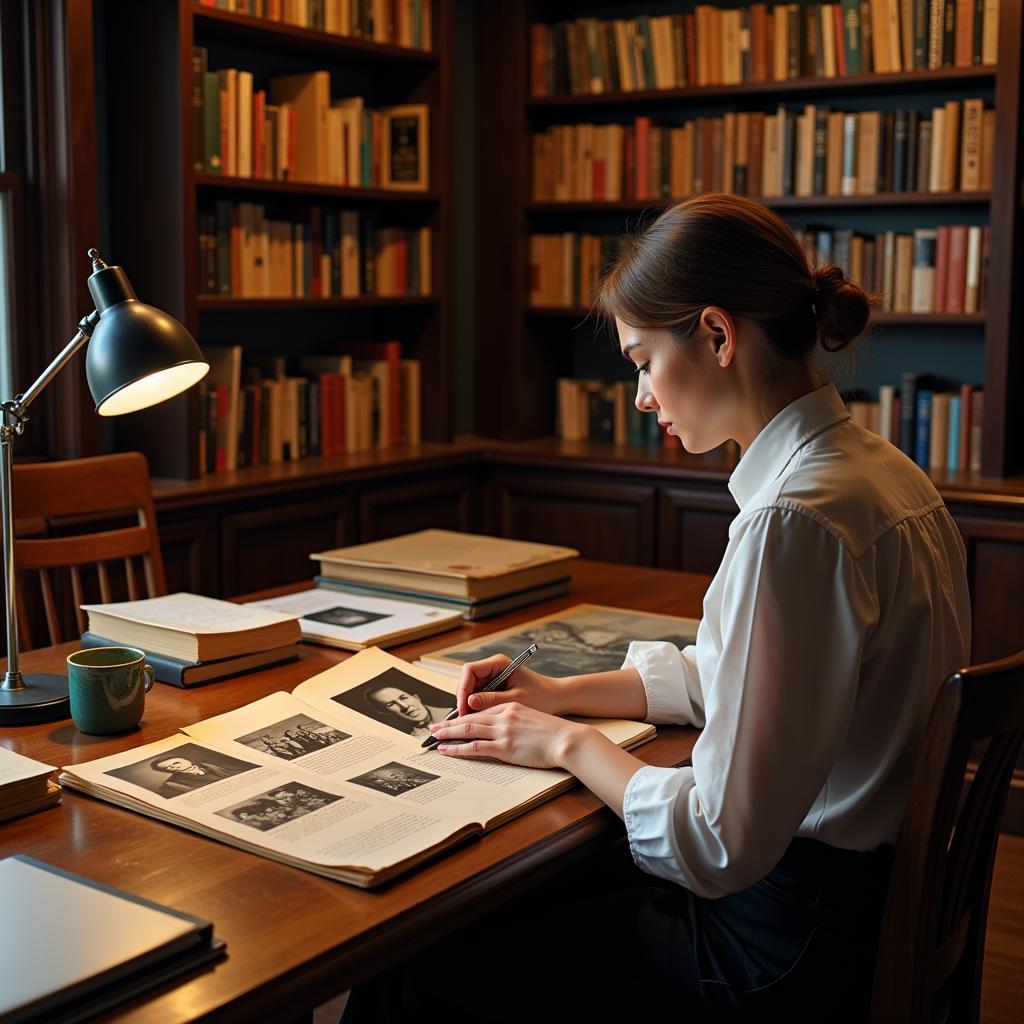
294 939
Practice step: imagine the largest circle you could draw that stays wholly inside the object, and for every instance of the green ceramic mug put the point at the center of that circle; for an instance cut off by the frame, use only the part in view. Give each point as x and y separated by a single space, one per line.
108 687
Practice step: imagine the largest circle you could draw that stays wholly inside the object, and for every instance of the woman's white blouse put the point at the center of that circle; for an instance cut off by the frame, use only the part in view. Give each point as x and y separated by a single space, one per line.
840 606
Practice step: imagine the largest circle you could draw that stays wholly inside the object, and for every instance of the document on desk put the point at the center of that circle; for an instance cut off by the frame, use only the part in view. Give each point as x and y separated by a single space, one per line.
333 777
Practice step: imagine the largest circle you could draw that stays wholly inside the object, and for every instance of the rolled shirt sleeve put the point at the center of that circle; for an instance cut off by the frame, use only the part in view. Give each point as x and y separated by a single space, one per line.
671 681
778 665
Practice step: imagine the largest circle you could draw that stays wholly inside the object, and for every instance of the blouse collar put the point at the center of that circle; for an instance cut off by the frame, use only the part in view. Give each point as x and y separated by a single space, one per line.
784 435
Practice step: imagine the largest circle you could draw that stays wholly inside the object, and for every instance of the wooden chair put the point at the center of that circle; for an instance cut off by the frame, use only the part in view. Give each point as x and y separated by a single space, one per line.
94 489
932 942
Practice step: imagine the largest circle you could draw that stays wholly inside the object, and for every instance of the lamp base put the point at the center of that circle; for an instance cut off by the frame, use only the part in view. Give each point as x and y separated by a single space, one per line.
44 699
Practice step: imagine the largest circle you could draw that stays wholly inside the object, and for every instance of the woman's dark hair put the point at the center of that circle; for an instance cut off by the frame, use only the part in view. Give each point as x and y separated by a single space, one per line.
729 251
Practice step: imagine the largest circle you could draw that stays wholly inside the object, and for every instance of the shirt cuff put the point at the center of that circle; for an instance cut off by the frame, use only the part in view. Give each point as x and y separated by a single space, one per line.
660 665
648 812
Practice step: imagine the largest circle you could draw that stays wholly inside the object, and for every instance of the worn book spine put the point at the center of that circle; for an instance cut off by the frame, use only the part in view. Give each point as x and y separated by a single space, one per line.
908 409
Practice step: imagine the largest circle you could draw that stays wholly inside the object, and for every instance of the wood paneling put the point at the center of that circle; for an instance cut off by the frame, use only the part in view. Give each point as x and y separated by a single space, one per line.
448 503
603 519
269 546
693 527
190 555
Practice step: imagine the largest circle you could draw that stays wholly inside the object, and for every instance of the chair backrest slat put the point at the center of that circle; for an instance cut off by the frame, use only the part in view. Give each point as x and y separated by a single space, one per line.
69 498
931 945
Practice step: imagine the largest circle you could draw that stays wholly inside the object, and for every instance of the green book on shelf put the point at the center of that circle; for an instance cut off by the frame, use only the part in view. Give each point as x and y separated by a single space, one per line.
851 36
211 122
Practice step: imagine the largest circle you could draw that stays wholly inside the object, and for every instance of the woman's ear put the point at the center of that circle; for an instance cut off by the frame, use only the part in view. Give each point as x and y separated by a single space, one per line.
721 333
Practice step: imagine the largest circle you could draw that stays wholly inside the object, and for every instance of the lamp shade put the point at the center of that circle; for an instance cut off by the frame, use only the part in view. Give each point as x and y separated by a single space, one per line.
138 355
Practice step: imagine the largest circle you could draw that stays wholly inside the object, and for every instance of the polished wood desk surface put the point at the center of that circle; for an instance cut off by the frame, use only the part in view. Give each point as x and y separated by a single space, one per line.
294 939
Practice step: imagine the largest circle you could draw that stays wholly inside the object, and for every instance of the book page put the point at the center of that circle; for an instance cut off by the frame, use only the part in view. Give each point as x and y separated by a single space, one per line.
277 810
375 691
190 613
281 728
15 767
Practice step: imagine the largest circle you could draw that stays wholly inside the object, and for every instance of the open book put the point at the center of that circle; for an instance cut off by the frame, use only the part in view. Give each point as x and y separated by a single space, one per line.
332 777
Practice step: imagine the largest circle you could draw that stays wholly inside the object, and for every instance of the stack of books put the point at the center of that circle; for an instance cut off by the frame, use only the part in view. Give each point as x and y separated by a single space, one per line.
25 785
480 576
190 639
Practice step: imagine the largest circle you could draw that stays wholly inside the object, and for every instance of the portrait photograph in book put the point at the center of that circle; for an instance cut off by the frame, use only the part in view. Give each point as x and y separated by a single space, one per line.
394 778
182 770
278 806
346 618
293 737
399 701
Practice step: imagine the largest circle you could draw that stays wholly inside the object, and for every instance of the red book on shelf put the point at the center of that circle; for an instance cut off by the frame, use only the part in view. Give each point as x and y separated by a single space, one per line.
537 59
965 426
259 102
643 144
941 266
599 177
221 430
758 43
327 441
391 353
690 24
628 164
316 248
956 275
837 16
401 266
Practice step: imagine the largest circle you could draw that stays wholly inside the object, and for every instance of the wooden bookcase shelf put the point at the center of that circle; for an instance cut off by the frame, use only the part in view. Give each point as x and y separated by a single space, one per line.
226 26
310 302
160 192
777 202
530 347
880 317
792 87
313 190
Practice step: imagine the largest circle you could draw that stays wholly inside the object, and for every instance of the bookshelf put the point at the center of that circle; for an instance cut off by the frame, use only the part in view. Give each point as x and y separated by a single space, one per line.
155 195
533 346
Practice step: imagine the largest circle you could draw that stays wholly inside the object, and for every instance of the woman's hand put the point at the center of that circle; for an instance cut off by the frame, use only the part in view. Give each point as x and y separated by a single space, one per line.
544 693
509 732
523 686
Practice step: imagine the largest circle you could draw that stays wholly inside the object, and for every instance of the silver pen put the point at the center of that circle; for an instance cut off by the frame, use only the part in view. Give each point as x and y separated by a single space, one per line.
492 684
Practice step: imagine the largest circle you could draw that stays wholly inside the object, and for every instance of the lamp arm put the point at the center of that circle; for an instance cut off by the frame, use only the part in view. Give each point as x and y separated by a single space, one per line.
12 425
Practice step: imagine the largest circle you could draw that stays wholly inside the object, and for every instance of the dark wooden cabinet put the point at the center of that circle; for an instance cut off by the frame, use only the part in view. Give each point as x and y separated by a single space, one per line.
601 518
446 503
190 553
693 527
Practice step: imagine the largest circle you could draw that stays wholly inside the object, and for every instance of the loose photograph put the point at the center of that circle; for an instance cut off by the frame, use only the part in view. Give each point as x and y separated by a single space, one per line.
592 640
400 701
293 737
278 806
182 770
394 779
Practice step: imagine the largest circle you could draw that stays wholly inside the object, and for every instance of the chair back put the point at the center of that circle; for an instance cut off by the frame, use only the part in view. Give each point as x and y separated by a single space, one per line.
63 501
932 940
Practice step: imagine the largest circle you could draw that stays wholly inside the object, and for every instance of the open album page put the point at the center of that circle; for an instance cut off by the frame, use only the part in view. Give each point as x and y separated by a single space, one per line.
376 693
342 830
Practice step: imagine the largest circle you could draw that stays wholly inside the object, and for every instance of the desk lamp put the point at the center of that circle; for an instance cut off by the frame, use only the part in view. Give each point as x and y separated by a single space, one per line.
138 356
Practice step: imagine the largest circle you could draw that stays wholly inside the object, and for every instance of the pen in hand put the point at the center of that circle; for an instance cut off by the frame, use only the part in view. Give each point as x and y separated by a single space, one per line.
492 684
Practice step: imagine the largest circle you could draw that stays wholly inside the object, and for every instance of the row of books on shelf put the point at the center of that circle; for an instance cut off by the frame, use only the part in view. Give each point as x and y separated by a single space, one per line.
329 252
709 46
937 424
294 131
398 22
933 270
255 414
816 151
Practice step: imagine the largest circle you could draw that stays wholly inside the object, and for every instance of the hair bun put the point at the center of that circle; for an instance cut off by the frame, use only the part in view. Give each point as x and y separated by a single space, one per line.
841 308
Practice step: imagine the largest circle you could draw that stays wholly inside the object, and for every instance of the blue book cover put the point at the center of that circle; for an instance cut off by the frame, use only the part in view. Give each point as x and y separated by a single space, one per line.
953 444
924 428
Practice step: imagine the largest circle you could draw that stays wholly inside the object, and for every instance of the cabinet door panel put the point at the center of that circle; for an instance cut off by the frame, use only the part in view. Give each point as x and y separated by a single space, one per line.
610 521
444 504
271 546
189 549
693 528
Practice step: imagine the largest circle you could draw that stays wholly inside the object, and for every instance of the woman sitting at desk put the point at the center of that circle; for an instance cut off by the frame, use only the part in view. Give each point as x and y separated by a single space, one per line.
754 879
